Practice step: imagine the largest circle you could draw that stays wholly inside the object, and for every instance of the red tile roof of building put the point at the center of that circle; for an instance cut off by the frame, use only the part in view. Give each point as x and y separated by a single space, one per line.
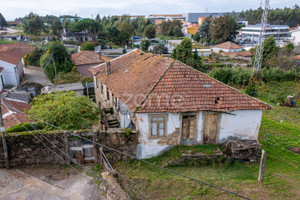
88 57
12 53
228 45
297 57
1 69
153 84
10 116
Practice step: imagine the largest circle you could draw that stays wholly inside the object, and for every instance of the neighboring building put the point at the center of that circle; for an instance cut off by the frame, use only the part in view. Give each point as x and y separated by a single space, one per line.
192 29
76 36
159 18
193 17
76 87
12 37
201 20
242 55
12 62
13 102
13 23
297 60
204 52
296 37
227 47
242 23
251 33
84 60
170 103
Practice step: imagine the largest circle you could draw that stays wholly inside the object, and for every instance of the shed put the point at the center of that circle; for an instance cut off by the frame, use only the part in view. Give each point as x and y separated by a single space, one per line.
76 87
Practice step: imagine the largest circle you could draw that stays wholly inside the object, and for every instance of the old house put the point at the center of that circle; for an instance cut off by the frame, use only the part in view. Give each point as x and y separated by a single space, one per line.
170 103
227 47
84 60
12 62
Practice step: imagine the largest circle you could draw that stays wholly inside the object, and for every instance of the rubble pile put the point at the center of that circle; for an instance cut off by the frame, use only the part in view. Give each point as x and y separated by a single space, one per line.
243 149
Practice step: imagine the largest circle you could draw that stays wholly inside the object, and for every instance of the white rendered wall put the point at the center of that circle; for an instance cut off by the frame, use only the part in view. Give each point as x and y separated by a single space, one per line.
296 35
148 148
217 50
9 74
245 125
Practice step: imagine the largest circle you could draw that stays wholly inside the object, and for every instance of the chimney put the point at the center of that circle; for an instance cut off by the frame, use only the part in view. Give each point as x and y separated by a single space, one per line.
99 56
108 70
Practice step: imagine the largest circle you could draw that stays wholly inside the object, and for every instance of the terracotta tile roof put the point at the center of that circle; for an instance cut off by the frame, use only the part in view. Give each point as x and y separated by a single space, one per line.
228 45
297 57
1 69
184 89
153 84
88 57
237 54
12 53
132 75
10 116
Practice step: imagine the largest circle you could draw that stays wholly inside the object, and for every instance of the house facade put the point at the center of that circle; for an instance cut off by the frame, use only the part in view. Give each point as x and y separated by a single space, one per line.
12 62
170 103
84 60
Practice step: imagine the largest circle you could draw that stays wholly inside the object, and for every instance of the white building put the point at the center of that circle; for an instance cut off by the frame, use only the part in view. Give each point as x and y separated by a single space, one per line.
227 47
296 37
12 62
170 103
251 33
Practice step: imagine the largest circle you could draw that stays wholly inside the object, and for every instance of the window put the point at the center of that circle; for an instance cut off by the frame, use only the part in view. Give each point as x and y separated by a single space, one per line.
101 88
97 83
107 94
158 126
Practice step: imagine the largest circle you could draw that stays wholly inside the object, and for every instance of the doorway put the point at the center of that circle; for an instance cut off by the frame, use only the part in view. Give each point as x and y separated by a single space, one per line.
211 128
189 129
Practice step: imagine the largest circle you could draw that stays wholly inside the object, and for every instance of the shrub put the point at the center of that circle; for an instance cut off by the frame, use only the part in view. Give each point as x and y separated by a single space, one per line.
87 46
66 110
34 57
252 89
24 127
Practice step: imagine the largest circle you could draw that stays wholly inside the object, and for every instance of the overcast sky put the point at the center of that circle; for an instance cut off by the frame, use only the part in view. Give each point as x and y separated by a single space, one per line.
87 8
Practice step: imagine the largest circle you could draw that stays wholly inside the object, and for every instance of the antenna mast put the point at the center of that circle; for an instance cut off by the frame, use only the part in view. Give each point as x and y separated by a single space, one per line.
260 46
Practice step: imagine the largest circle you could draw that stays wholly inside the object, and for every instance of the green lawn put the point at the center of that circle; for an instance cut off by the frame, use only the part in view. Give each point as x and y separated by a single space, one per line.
282 175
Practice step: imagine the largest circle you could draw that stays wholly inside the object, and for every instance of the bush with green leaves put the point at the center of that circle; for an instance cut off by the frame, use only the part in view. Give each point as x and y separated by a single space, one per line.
34 57
252 89
24 127
66 110
87 46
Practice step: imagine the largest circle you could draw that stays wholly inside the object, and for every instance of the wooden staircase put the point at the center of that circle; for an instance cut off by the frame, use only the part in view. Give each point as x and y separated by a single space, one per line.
109 118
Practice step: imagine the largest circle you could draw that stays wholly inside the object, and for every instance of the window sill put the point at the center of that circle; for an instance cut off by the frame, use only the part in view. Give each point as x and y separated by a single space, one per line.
156 137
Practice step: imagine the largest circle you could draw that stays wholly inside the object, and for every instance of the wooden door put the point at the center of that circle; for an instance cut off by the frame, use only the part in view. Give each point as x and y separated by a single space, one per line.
189 124
211 122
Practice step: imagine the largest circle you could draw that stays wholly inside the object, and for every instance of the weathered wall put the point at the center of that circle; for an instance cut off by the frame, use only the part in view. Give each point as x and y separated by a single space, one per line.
24 148
244 125
9 74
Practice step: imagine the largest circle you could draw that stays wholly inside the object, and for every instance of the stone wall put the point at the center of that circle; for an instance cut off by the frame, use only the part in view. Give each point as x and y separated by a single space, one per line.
26 149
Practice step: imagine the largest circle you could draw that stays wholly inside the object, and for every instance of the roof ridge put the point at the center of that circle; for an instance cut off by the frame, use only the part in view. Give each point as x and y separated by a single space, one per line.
226 85
156 83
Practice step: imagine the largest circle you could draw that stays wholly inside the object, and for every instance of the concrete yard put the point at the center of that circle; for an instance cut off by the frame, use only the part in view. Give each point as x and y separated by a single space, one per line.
47 184
34 74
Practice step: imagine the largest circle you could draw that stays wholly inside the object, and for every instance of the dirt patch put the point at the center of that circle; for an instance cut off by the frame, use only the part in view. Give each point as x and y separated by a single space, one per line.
295 149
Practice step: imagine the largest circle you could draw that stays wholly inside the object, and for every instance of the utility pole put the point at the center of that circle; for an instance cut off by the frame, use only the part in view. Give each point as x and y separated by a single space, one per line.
3 137
260 47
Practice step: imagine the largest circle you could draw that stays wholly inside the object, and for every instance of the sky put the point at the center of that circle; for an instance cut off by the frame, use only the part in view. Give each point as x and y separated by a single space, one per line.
11 9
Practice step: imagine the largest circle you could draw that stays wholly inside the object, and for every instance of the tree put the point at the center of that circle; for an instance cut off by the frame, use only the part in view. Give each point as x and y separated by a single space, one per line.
66 110
57 27
87 46
145 44
34 57
93 27
270 48
196 37
223 29
150 31
58 54
204 31
172 28
183 52
160 48
2 21
33 24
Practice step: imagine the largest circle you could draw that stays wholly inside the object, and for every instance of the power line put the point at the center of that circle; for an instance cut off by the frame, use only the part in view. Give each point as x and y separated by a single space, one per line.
47 146
147 162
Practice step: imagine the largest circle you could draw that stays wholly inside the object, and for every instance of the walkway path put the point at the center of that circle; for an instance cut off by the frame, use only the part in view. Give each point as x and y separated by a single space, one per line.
34 74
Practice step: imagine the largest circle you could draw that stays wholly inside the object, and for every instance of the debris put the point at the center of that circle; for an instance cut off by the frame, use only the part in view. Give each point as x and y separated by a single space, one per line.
243 149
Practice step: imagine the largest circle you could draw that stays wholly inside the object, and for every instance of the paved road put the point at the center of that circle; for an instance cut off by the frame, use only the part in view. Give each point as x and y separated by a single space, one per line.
15 184
34 74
